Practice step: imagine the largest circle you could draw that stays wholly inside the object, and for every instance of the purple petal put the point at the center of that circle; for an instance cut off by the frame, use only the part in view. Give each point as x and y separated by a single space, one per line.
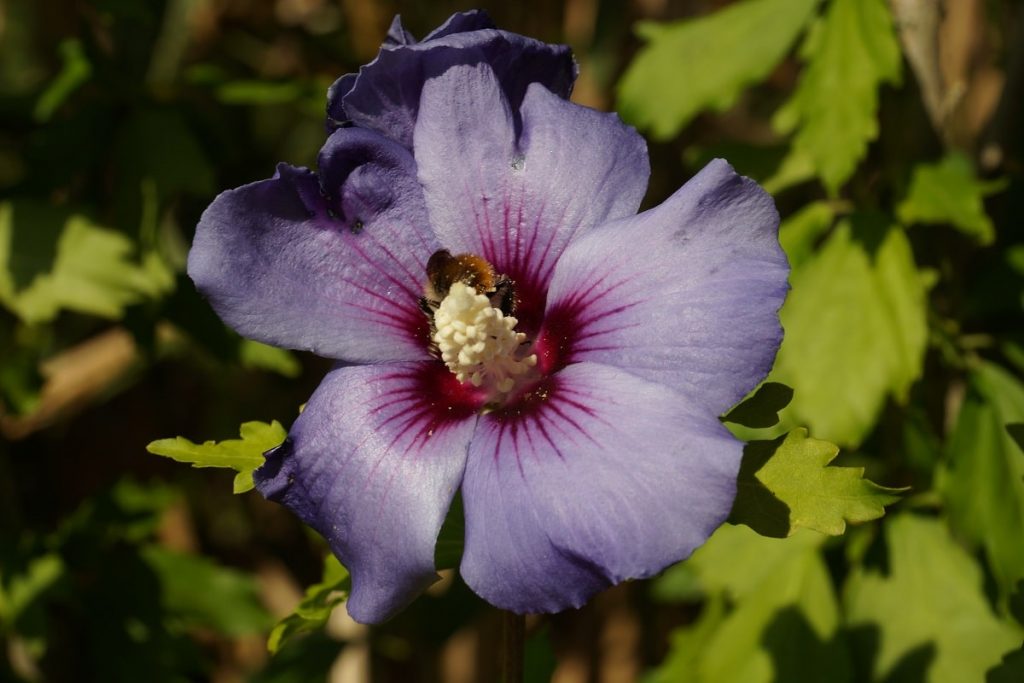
372 464
519 202
397 35
686 294
386 95
333 266
336 116
462 22
598 477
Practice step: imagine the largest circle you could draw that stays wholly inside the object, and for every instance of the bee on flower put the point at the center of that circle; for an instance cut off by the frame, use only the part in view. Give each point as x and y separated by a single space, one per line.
505 324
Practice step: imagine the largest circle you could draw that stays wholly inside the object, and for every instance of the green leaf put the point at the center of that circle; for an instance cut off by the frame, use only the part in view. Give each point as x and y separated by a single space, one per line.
75 71
19 591
317 605
949 192
1016 432
451 538
849 53
200 593
786 484
800 233
930 595
766 598
1016 603
762 409
705 63
795 168
253 354
22 348
856 330
983 484
50 261
242 455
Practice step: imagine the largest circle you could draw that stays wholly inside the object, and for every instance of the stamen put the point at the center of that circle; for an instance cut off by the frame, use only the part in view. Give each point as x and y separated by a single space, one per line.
478 342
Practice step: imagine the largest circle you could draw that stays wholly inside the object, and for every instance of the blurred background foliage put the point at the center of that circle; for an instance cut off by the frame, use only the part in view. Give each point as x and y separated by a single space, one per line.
890 133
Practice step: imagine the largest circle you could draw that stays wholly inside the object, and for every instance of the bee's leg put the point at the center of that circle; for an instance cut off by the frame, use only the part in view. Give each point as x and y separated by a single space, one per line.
504 296
428 307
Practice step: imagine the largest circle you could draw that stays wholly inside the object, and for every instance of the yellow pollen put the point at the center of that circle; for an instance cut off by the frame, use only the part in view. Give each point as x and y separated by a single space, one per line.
478 342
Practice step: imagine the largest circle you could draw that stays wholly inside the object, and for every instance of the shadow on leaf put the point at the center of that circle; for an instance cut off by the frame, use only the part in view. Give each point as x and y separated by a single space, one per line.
912 667
755 505
762 409
800 655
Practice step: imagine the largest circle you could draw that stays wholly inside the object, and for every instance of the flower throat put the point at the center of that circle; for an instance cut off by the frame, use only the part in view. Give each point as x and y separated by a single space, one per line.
472 326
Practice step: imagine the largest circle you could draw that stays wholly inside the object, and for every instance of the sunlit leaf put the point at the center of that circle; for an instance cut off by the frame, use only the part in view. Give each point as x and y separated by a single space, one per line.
242 455
317 605
850 53
199 593
50 261
787 483
768 600
984 484
705 63
856 330
929 595
949 192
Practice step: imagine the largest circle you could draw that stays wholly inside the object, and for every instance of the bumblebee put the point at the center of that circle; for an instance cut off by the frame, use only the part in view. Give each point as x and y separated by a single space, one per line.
444 270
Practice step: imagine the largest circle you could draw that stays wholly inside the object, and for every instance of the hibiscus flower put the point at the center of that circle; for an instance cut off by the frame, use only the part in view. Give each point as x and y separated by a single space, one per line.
562 361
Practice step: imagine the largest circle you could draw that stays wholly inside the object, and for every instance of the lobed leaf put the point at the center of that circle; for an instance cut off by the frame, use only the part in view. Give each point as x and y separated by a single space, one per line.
787 483
984 483
242 455
850 53
317 605
856 329
771 613
949 192
705 63
51 261
927 599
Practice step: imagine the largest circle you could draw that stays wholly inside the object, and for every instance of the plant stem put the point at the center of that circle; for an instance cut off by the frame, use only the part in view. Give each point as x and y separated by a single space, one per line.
513 628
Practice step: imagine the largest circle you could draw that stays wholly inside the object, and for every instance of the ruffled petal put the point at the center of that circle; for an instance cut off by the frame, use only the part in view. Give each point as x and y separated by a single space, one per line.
386 95
686 294
461 22
519 201
598 477
397 35
333 265
373 463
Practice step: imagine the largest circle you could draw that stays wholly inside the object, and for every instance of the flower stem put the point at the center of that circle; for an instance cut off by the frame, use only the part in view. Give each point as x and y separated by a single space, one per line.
513 628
